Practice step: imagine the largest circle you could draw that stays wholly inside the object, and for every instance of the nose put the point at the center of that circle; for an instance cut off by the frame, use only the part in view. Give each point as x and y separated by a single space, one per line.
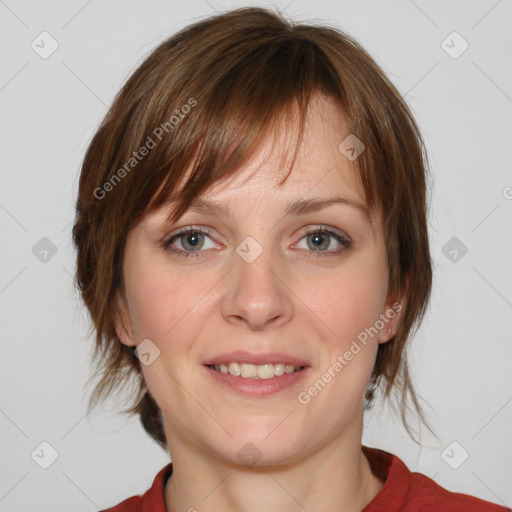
257 294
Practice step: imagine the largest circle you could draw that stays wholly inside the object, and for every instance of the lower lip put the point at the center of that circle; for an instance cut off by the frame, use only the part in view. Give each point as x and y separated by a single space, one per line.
258 387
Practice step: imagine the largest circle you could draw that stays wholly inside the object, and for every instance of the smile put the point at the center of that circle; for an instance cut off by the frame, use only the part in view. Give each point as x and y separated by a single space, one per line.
252 371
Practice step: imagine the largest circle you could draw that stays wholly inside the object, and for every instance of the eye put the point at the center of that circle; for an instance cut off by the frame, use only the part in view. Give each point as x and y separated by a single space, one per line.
191 240
319 240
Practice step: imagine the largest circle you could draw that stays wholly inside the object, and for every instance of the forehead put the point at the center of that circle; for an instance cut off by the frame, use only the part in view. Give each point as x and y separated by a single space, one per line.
264 182
320 167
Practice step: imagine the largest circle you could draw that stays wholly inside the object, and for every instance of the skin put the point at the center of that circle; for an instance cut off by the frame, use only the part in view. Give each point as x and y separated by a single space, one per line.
288 300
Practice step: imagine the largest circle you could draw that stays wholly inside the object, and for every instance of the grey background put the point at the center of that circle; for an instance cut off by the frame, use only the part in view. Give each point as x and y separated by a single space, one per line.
50 109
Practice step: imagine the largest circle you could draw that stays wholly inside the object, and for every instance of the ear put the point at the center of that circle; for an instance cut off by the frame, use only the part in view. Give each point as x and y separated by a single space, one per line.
391 318
122 320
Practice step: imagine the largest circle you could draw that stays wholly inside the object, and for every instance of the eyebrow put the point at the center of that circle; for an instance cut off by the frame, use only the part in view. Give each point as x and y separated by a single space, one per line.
296 207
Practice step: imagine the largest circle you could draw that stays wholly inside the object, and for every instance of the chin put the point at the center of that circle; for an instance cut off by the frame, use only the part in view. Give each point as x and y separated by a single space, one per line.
262 444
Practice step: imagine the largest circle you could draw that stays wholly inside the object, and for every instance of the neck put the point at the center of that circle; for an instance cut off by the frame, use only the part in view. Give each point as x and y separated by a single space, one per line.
335 477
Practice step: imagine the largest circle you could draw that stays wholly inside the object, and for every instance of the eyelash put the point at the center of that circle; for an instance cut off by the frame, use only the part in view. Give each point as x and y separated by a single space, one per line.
345 242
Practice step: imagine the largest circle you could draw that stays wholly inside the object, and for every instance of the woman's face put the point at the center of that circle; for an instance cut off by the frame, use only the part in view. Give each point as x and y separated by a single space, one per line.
258 283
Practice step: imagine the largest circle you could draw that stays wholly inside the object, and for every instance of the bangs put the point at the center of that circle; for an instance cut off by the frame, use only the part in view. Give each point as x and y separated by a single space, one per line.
234 113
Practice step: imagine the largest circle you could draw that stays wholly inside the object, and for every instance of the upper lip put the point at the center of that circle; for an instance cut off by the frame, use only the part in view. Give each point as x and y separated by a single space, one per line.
256 359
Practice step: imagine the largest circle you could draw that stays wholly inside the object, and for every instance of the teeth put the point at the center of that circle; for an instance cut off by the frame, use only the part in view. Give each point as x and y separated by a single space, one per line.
234 369
252 371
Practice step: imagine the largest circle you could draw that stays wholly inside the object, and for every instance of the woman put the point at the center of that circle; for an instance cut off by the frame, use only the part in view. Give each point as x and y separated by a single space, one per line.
253 250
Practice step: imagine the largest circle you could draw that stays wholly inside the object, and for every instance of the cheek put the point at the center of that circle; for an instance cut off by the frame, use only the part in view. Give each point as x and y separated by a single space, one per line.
166 304
352 299
350 302
156 302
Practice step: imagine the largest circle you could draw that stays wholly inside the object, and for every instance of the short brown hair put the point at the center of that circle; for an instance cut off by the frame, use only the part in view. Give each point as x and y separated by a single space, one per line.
237 72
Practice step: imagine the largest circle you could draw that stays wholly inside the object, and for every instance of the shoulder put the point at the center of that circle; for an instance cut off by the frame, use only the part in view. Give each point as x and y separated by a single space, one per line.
407 491
152 500
425 495
132 504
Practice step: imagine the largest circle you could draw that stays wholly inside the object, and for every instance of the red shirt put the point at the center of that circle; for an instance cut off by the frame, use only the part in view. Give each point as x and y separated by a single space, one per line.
403 491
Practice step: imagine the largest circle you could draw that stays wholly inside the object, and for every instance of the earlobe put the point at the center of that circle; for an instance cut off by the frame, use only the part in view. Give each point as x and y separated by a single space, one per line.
122 321
387 336
391 316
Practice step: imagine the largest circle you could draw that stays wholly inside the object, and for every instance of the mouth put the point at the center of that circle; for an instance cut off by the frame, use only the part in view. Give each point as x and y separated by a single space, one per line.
256 375
256 371
247 365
